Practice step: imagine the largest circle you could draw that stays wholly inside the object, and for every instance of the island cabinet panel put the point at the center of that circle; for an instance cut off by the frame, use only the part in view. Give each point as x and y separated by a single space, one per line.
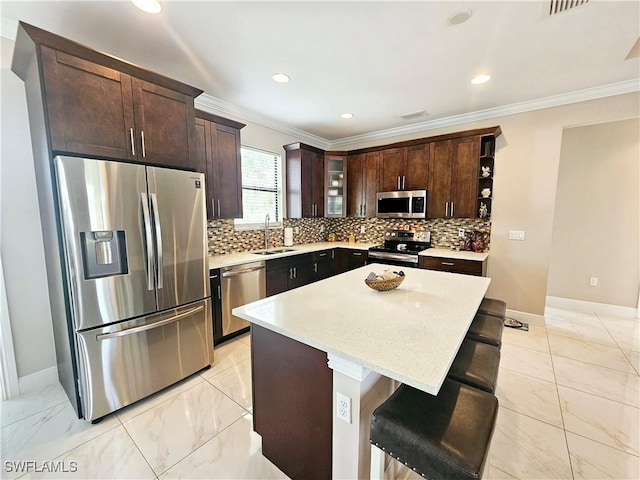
404 168
218 157
362 183
305 181
454 265
292 404
94 110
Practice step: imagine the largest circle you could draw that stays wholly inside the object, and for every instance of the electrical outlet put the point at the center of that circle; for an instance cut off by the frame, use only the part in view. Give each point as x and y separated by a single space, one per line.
593 282
296 230
361 228
516 234
343 407
461 232
321 228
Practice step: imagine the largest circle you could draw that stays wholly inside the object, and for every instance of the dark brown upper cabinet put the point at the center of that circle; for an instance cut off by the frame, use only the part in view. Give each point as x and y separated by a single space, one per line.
362 183
305 181
453 177
404 168
100 106
218 154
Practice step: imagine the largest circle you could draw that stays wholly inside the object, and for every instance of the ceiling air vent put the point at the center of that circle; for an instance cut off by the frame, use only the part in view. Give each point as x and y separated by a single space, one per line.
559 6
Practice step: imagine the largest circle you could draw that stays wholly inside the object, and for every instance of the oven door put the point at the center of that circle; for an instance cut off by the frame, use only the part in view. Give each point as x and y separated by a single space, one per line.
391 258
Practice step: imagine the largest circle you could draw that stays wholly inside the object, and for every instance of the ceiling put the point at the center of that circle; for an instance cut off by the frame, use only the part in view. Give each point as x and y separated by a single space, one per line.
377 60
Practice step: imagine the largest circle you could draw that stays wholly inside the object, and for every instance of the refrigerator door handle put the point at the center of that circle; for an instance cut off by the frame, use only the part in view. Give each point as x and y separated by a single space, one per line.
142 328
156 224
148 239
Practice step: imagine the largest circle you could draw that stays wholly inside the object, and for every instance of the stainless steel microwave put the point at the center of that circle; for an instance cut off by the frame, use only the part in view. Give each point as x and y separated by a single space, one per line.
402 204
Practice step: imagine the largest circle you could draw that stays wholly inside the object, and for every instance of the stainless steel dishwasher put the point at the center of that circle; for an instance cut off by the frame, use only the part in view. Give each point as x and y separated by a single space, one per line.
241 284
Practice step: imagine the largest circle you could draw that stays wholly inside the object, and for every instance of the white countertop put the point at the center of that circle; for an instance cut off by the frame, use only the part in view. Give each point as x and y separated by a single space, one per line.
448 253
219 261
410 334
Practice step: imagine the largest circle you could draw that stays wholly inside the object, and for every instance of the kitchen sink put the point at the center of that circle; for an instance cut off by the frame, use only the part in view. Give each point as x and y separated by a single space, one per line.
274 251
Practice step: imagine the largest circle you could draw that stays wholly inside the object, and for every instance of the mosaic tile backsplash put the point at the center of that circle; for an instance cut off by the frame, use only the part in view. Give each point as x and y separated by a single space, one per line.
224 238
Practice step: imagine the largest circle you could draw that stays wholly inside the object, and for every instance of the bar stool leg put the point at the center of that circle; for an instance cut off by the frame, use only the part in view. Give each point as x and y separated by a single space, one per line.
377 463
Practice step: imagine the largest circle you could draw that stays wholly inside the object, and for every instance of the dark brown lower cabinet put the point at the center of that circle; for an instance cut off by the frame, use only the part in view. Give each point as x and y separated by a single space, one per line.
347 259
292 404
454 265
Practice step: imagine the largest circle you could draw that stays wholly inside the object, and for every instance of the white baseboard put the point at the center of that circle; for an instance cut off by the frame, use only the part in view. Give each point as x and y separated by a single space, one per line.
530 318
591 307
38 380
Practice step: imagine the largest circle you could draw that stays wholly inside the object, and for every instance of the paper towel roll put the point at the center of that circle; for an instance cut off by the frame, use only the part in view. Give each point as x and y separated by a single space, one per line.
288 237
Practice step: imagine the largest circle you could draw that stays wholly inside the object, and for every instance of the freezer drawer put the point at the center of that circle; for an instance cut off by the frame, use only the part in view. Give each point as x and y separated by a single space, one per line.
123 363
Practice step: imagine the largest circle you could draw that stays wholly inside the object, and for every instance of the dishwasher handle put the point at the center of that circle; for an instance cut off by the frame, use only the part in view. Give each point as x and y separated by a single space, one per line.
235 273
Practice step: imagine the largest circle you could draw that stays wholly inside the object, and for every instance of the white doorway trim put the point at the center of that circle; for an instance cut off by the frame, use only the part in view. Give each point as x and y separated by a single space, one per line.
8 369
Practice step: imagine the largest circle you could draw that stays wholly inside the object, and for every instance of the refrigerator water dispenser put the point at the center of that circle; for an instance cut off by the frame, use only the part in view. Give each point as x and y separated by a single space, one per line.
104 253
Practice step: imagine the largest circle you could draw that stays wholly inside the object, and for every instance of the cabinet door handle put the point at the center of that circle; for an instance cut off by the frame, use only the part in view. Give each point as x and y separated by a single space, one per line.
290 273
219 214
219 292
452 209
133 142
324 254
315 267
398 181
356 254
446 209
449 264
295 272
403 181
213 208
144 153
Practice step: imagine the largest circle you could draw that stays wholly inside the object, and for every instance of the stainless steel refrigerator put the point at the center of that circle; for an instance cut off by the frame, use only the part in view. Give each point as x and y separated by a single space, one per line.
133 255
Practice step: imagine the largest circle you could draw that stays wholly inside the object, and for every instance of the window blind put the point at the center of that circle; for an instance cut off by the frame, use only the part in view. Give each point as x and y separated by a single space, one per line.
261 187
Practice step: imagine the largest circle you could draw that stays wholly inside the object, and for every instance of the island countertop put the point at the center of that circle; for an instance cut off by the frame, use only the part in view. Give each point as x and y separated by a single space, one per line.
410 334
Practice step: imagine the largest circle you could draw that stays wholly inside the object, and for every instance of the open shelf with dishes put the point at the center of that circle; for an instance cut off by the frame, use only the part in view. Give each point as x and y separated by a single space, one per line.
485 175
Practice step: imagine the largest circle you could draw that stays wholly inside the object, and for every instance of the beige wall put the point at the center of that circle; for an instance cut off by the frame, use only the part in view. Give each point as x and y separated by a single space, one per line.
20 233
526 170
595 227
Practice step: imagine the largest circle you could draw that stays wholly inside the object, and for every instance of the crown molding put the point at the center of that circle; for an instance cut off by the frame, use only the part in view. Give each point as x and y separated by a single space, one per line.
220 107
620 88
8 29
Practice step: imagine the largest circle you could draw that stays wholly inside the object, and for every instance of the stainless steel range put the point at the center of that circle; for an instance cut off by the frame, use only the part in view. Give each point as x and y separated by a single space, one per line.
401 247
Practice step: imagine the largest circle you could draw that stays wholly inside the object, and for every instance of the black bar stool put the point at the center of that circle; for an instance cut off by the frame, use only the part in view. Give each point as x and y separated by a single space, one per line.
443 437
476 364
493 306
486 329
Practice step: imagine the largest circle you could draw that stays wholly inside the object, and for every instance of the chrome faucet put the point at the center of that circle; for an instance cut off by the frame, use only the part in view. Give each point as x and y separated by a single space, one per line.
266 232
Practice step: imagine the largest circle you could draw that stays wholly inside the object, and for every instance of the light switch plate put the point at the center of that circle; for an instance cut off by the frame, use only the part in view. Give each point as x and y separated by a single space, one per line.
516 234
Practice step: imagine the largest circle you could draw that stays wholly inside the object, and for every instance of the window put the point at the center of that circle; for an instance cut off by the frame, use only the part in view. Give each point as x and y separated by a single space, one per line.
261 189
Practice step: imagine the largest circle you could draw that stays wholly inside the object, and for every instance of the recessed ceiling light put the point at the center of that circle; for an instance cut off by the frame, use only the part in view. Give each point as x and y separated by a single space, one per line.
149 6
459 16
280 77
478 79
346 115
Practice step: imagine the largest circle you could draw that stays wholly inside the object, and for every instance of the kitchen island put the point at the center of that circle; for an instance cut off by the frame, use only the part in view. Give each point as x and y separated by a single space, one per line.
339 336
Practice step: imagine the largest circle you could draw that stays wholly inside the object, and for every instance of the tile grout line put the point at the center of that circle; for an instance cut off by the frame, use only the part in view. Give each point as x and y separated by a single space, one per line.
564 427
156 476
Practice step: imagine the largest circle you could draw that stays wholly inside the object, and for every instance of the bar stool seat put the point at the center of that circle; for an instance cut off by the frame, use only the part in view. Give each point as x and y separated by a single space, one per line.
493 306
441 437
476 364
486 329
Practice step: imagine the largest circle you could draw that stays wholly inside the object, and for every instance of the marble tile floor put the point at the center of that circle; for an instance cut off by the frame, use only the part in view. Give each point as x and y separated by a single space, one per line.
569 397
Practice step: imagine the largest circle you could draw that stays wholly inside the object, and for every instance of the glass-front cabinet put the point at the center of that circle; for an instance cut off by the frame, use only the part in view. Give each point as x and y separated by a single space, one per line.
335 185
